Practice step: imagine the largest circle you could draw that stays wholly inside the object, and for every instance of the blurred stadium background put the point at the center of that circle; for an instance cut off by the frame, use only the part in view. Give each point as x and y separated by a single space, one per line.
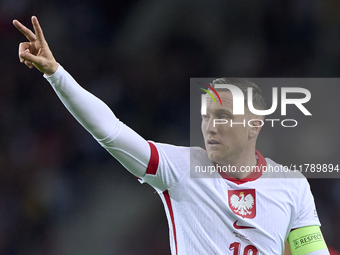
60 192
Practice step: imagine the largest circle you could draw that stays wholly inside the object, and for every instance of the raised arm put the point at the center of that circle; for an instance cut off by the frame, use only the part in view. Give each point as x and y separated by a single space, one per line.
94 115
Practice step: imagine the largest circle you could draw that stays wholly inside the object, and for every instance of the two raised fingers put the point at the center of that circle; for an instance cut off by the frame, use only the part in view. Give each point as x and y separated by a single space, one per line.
36 41
38 35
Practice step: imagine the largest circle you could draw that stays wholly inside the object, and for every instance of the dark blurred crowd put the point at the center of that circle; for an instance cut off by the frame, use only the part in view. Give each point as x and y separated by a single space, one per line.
60 192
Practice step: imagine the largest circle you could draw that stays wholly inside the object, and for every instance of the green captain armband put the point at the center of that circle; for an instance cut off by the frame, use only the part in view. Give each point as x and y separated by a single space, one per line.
305 240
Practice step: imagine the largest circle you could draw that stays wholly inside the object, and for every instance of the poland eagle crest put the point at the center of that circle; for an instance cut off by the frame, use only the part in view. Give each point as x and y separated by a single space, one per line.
242 202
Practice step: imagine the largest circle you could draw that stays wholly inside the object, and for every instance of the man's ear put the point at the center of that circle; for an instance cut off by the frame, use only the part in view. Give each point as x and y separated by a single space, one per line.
255 126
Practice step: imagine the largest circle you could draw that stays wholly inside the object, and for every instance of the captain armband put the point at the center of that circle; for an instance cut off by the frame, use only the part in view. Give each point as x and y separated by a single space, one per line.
306 240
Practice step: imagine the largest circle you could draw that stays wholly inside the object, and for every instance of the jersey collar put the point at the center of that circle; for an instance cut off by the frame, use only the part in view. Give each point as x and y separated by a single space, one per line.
261 163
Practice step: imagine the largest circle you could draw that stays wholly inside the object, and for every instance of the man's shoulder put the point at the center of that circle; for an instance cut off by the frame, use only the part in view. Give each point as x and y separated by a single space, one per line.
192 153
180 148
276 170
284 180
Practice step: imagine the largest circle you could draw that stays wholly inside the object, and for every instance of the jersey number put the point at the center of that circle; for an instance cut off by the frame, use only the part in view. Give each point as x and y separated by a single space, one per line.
248 250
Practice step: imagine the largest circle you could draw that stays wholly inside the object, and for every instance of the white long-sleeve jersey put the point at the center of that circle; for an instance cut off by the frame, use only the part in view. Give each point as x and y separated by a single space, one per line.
218 215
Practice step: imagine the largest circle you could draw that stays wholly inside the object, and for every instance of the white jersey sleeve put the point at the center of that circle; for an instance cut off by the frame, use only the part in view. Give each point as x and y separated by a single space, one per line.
171 165
154 163
130 149
306 211
320 252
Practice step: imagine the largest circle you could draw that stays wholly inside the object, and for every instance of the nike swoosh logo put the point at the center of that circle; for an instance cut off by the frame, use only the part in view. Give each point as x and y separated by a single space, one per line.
241 227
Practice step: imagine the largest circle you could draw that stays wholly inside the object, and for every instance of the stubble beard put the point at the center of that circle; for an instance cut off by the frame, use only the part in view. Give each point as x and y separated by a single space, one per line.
225 156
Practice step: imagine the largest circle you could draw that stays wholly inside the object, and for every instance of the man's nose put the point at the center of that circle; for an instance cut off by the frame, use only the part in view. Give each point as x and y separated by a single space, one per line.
211 126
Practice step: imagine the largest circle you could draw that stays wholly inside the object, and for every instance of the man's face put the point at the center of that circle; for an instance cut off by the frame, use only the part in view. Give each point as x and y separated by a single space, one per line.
224 142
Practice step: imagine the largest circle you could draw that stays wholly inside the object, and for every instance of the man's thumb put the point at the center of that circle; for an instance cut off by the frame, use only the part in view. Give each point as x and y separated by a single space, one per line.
29 57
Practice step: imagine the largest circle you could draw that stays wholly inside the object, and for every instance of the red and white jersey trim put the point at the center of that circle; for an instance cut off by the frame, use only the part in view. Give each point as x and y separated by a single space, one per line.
154 160
261 163
171 214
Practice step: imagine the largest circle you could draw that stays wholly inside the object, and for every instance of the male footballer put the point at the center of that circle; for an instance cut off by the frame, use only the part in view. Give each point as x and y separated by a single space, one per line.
244 213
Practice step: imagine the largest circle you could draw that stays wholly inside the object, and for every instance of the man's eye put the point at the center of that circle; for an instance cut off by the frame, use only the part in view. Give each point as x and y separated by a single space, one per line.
205 117
224 117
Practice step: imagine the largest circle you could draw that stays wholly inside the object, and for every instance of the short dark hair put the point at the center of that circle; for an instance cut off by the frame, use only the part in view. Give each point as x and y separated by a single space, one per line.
258 100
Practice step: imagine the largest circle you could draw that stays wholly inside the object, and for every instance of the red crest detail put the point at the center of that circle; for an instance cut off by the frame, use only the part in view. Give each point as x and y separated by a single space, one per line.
243 202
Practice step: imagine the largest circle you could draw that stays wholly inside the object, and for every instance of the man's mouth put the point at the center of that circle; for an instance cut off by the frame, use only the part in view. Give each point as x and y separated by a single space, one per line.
213 142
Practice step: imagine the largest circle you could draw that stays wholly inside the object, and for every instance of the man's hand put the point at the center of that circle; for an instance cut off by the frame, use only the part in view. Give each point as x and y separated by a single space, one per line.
36 52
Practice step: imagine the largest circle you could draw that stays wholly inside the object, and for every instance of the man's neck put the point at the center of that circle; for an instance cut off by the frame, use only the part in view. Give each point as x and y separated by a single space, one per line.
243 164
